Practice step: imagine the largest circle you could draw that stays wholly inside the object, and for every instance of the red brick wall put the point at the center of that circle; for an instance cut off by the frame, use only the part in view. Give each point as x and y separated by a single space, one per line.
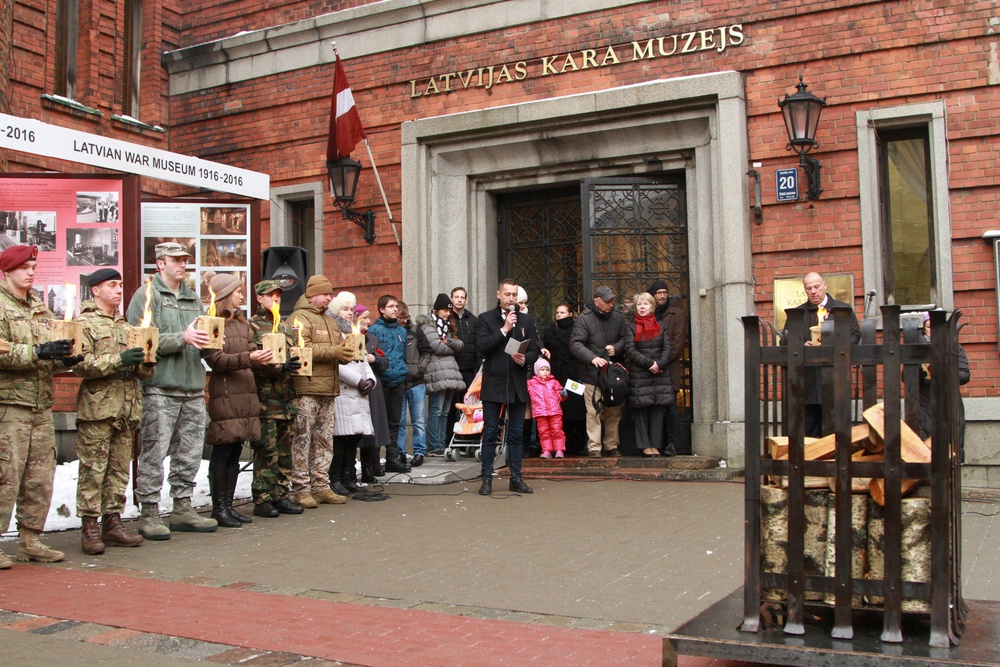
858 54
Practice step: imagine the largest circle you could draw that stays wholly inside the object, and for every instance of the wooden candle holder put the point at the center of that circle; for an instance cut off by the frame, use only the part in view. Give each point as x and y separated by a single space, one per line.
276 343
69 330
356 343
214 327
305 355
148 338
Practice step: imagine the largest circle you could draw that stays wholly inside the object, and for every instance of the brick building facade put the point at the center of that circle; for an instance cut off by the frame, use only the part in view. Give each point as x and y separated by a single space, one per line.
485 117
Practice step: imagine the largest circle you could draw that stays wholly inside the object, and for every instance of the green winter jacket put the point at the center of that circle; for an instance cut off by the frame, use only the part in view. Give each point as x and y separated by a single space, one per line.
24 378
109 389
180 364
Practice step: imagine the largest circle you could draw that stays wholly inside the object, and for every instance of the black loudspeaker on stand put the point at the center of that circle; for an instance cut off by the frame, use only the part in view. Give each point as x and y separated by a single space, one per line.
287 265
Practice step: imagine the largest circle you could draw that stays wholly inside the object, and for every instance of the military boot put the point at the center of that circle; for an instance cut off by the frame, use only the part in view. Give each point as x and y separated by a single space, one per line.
150 524
115 534
5 561
90 539
306 500
329 497
185 519
29 548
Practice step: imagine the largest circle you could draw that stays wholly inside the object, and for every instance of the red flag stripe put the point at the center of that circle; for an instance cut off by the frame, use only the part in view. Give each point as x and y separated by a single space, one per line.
346 129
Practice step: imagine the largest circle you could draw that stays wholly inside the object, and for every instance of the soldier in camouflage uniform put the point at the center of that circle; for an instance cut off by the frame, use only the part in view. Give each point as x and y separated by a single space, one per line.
272 454
27 433
108 409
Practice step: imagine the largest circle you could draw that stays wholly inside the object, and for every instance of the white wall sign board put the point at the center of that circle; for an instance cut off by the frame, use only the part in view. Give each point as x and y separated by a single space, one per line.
38 138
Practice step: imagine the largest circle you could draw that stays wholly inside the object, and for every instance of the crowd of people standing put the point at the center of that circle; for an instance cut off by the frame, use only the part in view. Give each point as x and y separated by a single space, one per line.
307 427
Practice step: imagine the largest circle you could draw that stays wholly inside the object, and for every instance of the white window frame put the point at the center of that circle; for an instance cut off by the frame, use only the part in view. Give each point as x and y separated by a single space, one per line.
931 114
281 222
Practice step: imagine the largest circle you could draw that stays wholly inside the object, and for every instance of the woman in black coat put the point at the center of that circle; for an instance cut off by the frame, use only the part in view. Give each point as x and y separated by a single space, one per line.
647 348
964 375
555 348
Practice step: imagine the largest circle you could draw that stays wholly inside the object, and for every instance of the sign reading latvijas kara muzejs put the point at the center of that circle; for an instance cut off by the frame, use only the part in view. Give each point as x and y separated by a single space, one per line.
711 39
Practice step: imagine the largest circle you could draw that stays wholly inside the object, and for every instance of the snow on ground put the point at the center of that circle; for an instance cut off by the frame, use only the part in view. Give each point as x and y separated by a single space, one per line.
62 511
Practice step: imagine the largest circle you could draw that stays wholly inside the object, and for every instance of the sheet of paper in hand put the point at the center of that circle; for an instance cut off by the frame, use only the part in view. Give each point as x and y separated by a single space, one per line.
515 346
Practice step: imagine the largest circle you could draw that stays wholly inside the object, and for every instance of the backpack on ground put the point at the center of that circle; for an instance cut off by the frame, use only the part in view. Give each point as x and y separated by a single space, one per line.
612 385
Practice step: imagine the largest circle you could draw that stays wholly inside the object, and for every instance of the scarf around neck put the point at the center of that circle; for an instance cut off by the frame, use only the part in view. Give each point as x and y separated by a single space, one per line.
646 328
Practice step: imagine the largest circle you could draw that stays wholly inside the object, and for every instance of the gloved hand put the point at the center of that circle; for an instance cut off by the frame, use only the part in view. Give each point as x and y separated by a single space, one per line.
56 349
291 365
366 386
72 361
564 393
132 356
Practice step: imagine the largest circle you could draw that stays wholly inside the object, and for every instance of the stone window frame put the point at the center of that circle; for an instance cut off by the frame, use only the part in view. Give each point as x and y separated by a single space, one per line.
281 222
868 123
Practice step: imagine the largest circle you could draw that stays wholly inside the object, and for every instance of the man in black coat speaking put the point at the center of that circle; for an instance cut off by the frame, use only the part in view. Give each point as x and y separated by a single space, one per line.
505 381
819 306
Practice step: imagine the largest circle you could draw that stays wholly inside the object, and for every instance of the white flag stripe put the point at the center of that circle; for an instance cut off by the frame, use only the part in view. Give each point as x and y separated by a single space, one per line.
345 102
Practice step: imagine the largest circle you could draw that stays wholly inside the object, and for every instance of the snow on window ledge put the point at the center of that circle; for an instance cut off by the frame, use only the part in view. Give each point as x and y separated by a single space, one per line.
128 120
72 104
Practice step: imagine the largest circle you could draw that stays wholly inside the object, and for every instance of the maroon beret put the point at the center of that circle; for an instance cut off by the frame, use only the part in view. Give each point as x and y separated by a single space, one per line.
15 256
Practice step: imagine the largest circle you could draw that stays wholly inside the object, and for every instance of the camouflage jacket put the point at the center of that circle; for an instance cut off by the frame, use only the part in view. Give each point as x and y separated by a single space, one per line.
276 390
24 323
109 390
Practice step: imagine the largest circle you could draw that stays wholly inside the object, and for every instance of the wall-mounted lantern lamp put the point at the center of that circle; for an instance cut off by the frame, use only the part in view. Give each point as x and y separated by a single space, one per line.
801 111
343 184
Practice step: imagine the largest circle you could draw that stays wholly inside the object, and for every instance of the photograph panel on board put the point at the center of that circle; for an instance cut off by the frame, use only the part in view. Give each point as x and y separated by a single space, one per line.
97 207
223 252
149 244
223 221
91 246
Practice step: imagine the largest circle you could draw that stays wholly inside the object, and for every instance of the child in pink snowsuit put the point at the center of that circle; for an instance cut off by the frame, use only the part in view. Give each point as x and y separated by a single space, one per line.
546 394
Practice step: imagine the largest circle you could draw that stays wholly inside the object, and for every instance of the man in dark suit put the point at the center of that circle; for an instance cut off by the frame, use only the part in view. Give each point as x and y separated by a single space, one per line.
505 382
819 306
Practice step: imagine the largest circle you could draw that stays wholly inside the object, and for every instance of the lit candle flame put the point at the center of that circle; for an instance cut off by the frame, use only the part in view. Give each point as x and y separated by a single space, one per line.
70 294
298 330
211 305
276 312
821 314
355 327
147 313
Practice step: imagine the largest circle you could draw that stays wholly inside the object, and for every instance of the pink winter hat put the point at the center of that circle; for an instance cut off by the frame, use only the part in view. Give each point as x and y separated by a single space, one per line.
542 363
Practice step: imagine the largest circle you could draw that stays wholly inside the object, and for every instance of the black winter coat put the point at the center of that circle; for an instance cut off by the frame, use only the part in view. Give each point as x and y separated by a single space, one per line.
468 357
813 375
564 367
591 333
503 380
964 375
646 389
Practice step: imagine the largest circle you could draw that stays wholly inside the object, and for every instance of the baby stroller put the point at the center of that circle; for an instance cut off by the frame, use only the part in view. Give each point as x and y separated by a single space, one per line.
467 437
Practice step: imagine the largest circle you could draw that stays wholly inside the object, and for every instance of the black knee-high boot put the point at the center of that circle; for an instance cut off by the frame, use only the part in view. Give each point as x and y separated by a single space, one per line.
337 468
219 488
348 476
232 479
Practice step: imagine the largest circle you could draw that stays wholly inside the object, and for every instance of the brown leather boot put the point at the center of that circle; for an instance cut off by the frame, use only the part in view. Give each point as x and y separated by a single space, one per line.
90 539
117 535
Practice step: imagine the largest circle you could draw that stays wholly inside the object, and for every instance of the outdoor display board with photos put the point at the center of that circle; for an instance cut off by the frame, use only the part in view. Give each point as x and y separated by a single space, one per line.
216 233
76 221
789 292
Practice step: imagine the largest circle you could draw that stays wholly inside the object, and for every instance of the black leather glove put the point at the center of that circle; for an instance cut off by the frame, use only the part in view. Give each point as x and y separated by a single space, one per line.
132 356
292 365
72 361
366 386
55 349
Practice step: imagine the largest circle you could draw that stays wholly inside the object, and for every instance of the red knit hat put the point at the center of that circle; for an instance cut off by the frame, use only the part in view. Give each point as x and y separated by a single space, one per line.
15 256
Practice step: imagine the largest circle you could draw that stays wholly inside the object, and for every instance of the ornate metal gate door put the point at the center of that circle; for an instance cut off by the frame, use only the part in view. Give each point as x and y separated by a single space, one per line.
625 233
635 232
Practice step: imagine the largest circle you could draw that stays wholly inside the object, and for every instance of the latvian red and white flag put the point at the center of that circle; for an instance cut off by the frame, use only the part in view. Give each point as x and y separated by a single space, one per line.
345 121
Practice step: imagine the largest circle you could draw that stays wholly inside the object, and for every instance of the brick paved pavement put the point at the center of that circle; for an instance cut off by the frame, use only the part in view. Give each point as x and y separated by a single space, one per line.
578 573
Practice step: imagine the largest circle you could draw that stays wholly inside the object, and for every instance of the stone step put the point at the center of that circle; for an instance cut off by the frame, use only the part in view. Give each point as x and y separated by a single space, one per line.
665 468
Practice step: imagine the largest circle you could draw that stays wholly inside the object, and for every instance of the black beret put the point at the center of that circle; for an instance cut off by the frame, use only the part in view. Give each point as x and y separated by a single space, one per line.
99 276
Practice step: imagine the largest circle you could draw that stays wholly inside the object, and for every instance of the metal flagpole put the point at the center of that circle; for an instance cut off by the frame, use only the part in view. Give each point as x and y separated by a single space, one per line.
385 200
